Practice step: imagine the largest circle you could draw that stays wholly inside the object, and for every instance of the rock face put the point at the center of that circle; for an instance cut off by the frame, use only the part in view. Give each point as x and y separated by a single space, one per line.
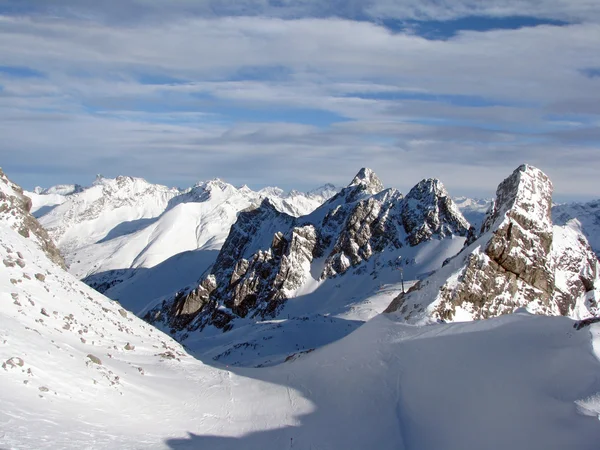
14 209
514 263
429 210
269 256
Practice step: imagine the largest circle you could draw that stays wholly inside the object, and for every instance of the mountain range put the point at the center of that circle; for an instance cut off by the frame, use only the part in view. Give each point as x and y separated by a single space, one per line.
488 338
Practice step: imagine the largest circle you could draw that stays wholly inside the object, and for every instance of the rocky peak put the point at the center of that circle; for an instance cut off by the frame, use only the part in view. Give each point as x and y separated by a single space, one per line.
368 181
247 234
429 210
527 194
268 256
514 263
14 209
99 179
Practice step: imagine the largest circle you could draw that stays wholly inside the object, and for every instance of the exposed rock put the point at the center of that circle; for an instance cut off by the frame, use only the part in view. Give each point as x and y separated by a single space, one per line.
514 263
8 263
15 361
94 359
14 209
252 277
40 277
428 210
372 225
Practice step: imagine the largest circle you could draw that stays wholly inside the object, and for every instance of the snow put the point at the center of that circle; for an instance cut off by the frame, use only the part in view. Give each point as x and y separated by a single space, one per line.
588 214
518 381
44 203
329 372
473 209
127 223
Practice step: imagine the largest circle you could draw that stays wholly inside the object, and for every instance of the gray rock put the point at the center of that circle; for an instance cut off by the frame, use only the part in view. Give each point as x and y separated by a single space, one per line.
94 359
363 219
512 264
17 206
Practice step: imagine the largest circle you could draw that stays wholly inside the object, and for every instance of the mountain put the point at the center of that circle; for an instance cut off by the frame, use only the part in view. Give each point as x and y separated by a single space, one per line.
118 227
269 257
519 260
473 209
588 215
44 200
79 371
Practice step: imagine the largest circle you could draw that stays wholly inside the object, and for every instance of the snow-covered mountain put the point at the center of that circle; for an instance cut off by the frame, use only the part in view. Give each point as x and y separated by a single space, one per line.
44 200
473 209
79 371
519 260
588 215
117 227
365 232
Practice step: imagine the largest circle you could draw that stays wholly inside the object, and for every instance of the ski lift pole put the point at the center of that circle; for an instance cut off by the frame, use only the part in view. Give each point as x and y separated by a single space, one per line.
402 278
399 263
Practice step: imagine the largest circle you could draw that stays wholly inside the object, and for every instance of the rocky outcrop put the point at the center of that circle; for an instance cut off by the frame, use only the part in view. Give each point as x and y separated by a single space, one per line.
268 256
14 209
576 272
371 225
428 210
514 263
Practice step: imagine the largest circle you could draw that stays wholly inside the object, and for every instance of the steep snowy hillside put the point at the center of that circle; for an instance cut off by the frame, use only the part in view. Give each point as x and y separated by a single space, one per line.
15 213
110 205
78 371
520 260
331 260
588 214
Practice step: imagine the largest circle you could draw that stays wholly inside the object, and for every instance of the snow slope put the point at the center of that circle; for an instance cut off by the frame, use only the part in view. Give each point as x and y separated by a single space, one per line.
530 382
588 214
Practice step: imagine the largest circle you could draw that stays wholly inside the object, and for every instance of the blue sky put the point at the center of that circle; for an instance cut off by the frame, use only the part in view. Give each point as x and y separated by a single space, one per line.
297 94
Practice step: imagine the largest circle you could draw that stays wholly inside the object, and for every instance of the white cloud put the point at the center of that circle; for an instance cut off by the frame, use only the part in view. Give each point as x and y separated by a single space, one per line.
90 112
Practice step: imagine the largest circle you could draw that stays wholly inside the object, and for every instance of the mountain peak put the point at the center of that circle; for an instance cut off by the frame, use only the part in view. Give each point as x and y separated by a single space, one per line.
98 180
428 209
430 185
528 192
367 178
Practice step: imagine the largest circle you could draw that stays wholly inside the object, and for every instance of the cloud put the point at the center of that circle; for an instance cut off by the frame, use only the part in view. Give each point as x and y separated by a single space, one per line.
294 101
126 11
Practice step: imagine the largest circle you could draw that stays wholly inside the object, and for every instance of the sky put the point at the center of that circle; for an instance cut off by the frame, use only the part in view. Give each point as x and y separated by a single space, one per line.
300 93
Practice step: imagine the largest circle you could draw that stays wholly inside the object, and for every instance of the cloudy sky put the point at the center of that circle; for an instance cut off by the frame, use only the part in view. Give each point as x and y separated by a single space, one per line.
299 93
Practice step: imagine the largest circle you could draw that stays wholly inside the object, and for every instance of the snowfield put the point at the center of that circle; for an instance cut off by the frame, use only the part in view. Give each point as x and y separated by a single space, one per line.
80 372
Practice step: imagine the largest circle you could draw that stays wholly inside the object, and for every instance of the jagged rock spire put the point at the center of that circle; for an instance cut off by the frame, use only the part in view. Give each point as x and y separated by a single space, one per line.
513 264
528 193
367 178
428 210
